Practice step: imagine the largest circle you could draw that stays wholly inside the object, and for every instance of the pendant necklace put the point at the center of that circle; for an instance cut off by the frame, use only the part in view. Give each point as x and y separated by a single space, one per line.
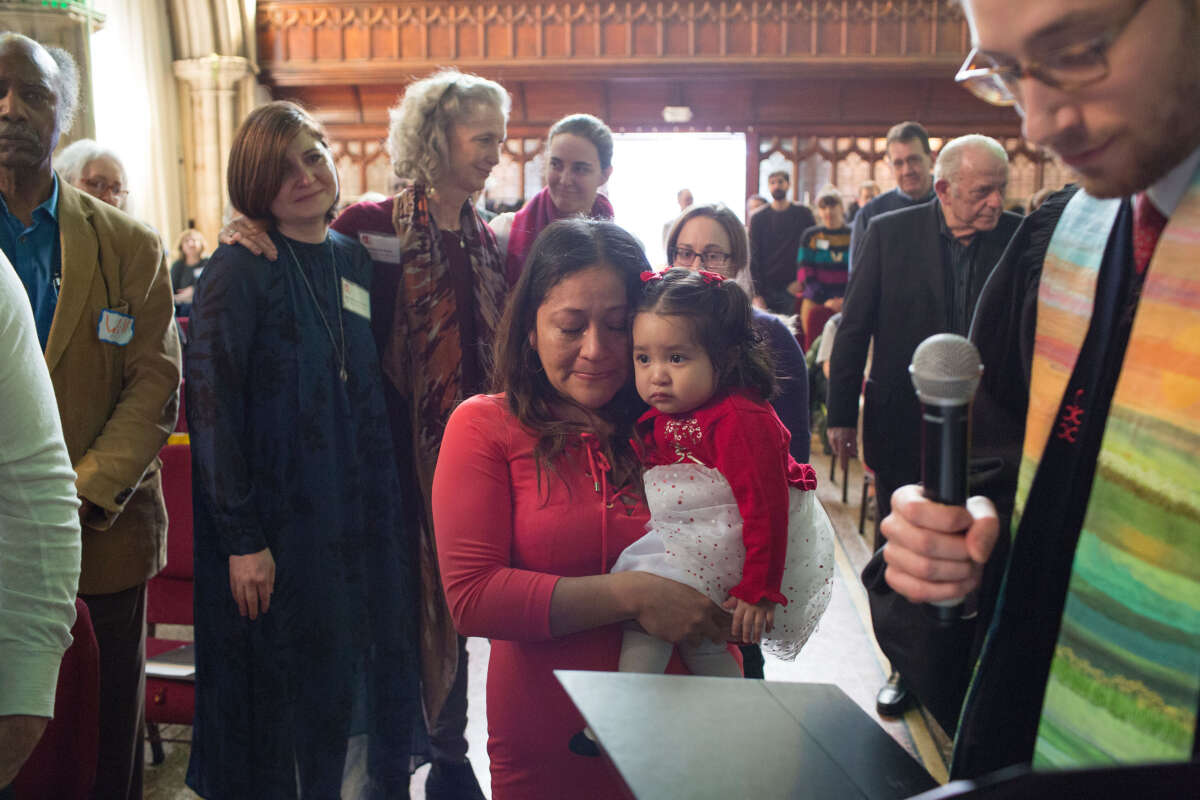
339 352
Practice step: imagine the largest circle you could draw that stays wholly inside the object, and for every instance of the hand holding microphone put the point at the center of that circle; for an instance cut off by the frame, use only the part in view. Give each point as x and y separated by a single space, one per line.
945 372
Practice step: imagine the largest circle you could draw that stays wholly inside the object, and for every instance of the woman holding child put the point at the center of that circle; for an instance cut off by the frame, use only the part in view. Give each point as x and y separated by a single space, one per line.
537 492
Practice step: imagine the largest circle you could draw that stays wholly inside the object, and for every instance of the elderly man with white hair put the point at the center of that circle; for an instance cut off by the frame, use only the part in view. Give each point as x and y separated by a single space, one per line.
95 169
918 272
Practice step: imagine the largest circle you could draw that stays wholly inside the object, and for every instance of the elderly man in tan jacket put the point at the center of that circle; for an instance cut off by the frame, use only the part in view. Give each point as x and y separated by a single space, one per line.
101 296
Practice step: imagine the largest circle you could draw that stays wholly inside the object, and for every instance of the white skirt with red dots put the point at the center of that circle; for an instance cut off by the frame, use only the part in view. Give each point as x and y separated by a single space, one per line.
695 537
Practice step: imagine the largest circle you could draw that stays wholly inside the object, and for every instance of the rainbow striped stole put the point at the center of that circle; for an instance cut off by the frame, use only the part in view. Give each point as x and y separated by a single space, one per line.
1125 678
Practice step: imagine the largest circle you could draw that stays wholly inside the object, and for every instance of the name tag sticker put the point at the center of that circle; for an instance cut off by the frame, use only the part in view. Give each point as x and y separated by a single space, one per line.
115 327
822 244
356 299
383 248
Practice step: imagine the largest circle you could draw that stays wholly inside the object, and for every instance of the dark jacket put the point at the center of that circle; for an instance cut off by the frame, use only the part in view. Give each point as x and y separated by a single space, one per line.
896 296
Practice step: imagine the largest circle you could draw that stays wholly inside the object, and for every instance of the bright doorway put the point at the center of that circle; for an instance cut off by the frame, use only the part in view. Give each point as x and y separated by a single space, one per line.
649 169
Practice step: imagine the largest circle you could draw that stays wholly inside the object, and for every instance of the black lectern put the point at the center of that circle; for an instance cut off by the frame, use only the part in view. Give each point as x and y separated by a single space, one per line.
725 738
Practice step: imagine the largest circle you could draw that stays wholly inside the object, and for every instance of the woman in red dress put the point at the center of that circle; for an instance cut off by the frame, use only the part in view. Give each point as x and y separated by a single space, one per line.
536 493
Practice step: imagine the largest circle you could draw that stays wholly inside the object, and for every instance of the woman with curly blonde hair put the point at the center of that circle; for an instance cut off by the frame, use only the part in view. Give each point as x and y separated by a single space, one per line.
437 295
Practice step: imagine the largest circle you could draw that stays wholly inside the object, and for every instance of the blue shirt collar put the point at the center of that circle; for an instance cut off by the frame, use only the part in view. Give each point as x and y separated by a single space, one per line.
49 208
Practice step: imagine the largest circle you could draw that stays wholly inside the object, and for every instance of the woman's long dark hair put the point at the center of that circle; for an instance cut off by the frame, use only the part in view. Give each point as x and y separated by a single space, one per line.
562 249
720 316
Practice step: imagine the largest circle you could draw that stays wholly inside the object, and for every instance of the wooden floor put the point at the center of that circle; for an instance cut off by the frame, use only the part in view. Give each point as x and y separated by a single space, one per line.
842 652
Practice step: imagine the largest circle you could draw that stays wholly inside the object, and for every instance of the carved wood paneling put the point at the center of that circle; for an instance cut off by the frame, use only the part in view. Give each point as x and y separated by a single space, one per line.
845 162
346 41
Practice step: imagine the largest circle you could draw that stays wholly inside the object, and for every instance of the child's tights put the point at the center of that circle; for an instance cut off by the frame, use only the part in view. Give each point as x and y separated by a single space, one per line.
641 652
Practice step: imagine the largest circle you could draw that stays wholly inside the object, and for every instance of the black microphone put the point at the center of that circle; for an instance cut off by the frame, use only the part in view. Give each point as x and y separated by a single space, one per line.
945 371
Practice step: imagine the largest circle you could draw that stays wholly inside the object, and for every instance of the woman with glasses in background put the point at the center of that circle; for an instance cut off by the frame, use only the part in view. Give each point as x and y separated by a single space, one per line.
96 170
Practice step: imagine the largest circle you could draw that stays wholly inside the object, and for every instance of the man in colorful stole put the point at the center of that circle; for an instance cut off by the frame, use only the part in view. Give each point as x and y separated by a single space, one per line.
1089 412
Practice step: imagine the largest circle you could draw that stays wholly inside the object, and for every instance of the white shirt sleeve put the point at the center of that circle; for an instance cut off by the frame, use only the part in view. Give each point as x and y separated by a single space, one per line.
827 335
501 225
39 515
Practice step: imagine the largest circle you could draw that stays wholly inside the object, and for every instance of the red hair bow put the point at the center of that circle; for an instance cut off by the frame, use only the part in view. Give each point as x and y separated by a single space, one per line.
711 277
651 275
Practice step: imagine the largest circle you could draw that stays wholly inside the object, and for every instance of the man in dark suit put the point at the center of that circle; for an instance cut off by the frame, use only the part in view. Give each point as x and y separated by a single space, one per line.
919 272
98 284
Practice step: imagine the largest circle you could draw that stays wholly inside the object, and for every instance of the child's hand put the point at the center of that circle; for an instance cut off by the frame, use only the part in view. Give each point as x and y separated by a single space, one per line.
750 620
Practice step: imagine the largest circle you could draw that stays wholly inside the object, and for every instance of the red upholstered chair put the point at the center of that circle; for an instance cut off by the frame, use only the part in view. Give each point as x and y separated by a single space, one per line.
169 598
63 765
814 322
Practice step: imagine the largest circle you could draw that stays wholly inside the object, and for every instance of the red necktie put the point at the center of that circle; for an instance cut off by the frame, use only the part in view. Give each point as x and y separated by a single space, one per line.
1148 223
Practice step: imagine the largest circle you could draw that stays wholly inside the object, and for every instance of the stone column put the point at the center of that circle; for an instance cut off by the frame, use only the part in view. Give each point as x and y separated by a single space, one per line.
217 92
64 24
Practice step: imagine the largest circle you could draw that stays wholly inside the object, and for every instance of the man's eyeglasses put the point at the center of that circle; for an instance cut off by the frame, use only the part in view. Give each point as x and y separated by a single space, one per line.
99 186
1066 68
686 256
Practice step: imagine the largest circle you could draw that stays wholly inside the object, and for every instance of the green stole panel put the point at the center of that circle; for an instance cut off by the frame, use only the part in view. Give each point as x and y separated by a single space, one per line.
1125 678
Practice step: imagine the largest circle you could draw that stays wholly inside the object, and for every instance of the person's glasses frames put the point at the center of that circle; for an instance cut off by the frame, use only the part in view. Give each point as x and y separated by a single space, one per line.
101 186
686 256
1067 69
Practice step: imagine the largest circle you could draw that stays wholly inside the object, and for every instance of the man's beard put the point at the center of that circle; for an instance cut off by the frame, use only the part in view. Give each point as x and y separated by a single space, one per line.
779 194
1160 143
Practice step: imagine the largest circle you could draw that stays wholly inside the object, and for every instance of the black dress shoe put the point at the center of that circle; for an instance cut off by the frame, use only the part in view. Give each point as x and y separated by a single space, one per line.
893 698
583 745
456 781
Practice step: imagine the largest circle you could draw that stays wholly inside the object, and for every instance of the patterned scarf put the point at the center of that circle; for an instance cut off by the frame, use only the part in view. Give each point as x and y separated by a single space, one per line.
423 358
1125 677
535 215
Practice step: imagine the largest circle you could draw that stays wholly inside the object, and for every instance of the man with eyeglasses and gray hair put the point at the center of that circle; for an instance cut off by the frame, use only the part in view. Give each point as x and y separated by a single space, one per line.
911 161
1086 424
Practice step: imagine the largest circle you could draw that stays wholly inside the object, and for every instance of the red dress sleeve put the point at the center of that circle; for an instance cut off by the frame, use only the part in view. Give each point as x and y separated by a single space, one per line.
473 524
748 449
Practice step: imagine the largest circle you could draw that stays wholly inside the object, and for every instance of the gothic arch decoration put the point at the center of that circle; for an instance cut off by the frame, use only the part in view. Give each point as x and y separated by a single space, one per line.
817 160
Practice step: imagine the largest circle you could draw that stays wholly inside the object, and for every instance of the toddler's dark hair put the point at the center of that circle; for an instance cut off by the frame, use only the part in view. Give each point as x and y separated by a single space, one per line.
723 323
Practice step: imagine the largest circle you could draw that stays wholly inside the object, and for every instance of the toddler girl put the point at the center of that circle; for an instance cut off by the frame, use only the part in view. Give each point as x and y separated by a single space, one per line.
731 514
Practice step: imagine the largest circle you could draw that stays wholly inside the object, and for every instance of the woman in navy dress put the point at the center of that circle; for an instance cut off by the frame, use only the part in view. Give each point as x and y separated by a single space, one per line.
305 662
